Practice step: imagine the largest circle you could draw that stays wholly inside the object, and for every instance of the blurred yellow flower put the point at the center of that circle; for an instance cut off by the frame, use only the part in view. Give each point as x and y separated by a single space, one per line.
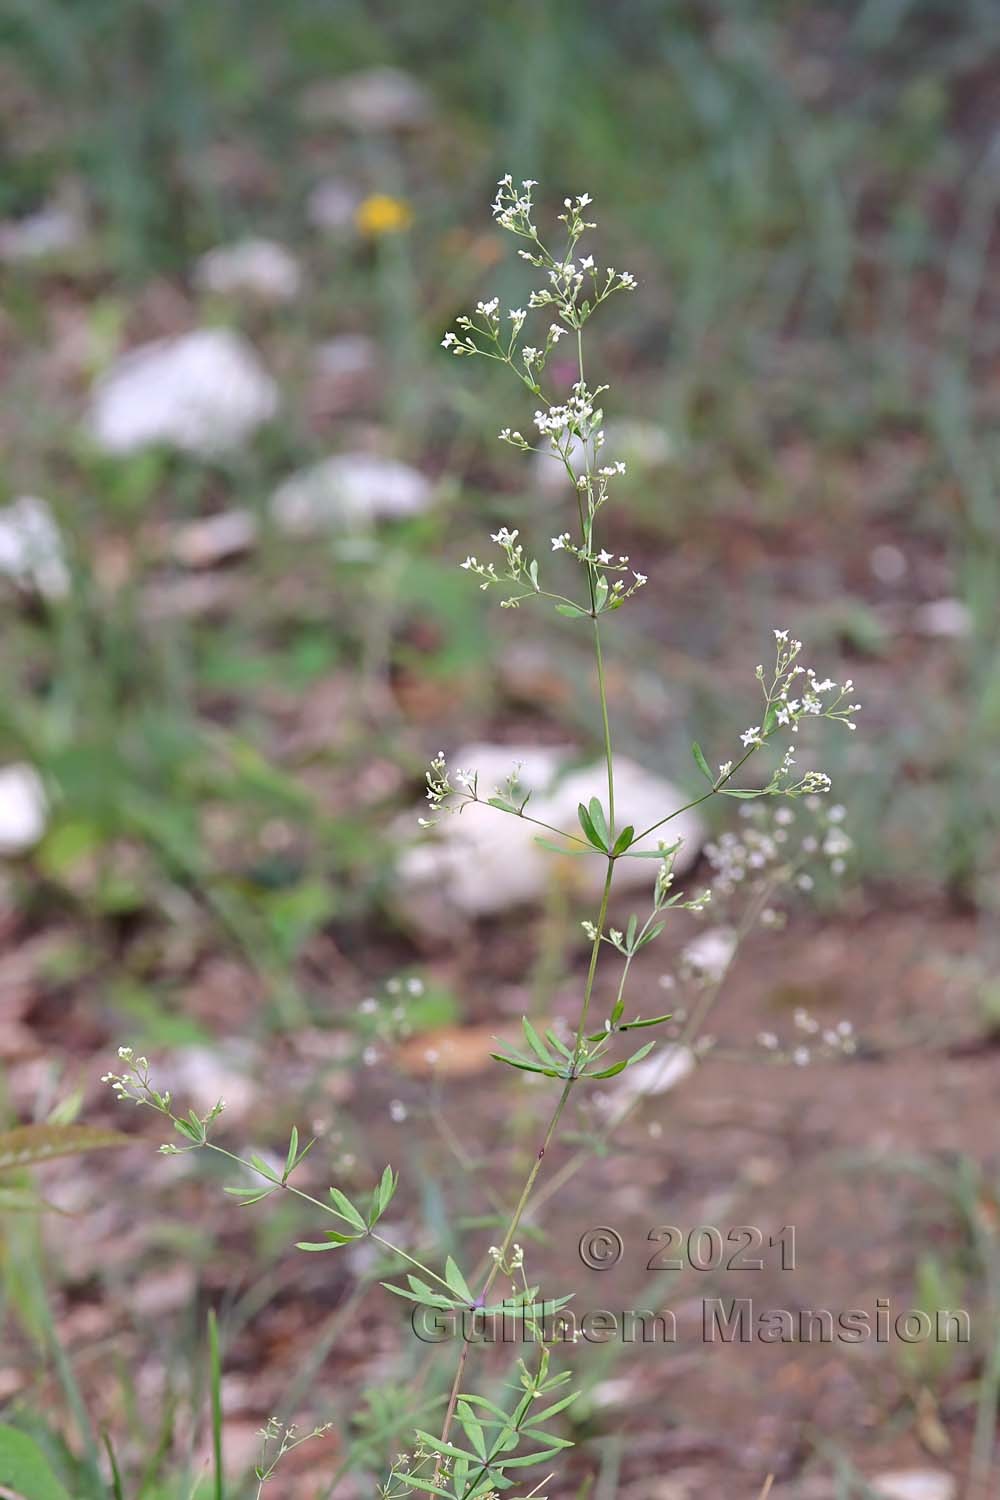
381 214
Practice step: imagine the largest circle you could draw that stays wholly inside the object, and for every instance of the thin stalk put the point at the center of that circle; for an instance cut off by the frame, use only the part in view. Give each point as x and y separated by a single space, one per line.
501 1257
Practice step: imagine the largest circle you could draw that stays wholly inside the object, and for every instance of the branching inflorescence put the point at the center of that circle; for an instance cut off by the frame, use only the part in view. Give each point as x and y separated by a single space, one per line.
482 1446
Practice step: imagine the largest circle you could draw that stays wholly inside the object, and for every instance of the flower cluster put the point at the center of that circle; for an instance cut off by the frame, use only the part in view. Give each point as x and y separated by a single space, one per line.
133 1083
570 428
518 569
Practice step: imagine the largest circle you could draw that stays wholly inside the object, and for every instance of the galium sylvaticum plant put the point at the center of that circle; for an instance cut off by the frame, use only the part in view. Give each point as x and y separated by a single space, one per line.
481 1446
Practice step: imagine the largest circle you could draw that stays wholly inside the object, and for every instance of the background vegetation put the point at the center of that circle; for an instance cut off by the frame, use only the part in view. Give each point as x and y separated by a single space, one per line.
808 195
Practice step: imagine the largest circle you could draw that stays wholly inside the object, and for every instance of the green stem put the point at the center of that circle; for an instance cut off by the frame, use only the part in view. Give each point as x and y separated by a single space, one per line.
606 727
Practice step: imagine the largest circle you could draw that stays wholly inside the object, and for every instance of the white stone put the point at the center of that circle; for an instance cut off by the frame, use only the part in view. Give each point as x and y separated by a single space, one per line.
943 617
204 392
371 99
665 1067
484 861
48 232
31 548
255 268
711 951
23 808
914 1484
204 543
349 490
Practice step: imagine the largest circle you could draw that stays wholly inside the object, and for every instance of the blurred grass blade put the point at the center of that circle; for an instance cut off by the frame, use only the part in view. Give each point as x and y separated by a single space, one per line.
215 1379
28 1144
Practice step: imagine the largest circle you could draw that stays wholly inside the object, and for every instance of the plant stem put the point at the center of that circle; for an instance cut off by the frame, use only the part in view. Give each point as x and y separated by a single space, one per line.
501 1257
606 726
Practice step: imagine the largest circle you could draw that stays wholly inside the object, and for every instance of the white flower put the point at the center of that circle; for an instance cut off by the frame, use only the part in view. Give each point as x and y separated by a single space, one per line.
559 542
751 736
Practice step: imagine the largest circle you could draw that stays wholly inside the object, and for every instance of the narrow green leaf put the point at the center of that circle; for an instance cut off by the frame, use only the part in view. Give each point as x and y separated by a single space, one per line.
293 1151
639 1022
555 848
572 610
473 1429
346 1209
431 1300
526 1067
264 1169
117 1488
617 1067
333 1241
448 1449
551 1411
559 1046
600 593
587 824
729 791
599 821
701 762
384 1193
535 1043
457 1281
642 1052
624 840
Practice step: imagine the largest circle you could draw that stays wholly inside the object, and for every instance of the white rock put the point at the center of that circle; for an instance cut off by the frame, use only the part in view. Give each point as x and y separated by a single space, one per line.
346 491
483 861
203 544
333 203
204 1075
372 99
204 392
914 1484
711 951
665 1067
48 232
943 617
642 446
256 267
31 548
23 808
